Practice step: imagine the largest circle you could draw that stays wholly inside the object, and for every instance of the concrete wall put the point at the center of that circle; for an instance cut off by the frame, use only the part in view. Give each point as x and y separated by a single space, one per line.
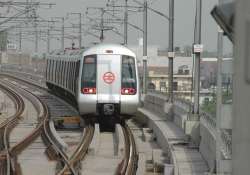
207 146
180 110
156 104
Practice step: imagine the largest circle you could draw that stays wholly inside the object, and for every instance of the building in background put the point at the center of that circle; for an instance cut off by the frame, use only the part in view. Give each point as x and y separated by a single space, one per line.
183 70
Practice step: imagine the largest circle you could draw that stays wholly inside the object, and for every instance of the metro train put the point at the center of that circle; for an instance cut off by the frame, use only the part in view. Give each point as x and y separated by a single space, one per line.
103 81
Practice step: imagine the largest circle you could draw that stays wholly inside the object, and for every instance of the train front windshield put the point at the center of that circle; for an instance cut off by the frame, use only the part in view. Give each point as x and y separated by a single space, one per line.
89 75
128 76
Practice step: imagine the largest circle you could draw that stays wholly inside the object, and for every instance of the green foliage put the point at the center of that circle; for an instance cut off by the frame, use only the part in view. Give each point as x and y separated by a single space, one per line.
209 106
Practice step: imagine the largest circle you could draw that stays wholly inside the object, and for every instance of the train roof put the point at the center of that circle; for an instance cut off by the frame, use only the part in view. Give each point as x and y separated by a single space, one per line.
108 48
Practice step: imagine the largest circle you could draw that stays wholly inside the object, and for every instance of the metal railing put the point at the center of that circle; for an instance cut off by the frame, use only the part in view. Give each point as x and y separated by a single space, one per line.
226 139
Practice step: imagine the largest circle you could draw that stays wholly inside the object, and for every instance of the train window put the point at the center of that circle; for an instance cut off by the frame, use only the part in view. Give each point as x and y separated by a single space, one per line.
128 76
49 75
74 85
47 63
59 72
53 72
64 73
77 75
56 71
47 69
89 75
71 75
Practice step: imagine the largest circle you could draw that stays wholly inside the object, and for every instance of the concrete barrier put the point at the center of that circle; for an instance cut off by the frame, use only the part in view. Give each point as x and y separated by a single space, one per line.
169 132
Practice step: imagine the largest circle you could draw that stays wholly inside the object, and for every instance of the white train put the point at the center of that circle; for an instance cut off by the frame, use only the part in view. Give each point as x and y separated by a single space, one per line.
103 80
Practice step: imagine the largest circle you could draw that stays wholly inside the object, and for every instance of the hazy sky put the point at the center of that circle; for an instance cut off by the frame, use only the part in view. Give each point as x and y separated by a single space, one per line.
157 26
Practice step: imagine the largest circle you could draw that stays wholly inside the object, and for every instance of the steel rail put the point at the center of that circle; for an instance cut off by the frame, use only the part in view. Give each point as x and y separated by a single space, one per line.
48 135
128 165
133 157
81 150
20 146
8 125
44 129
49 139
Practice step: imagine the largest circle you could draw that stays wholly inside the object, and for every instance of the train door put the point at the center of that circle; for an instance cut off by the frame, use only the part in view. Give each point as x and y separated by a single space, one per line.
108 78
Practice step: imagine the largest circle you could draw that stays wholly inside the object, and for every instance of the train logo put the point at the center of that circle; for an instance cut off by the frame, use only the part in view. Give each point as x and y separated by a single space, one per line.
109 77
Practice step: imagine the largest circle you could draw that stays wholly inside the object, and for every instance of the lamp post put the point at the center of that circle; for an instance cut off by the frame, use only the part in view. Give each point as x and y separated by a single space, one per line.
171 50
145 41
197 56
219 98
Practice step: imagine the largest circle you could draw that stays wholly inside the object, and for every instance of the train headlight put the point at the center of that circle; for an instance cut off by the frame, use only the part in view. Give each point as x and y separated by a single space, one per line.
89 90
128 91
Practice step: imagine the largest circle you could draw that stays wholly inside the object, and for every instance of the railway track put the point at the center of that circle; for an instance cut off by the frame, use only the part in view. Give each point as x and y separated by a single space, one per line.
42 128
54 151
6 127
128 166
17 148
81 150
70 164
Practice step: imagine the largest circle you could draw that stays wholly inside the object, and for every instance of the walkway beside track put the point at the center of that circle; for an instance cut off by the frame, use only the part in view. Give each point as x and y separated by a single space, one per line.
186 160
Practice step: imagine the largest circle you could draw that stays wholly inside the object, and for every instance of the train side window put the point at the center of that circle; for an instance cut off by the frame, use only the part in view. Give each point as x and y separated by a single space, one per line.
66 74
60 73
50 70
49 74
70 76
47 69
74 89
88 81
73 75
53 72
77 75
128 83
47 64
68 80
56 71
63 80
